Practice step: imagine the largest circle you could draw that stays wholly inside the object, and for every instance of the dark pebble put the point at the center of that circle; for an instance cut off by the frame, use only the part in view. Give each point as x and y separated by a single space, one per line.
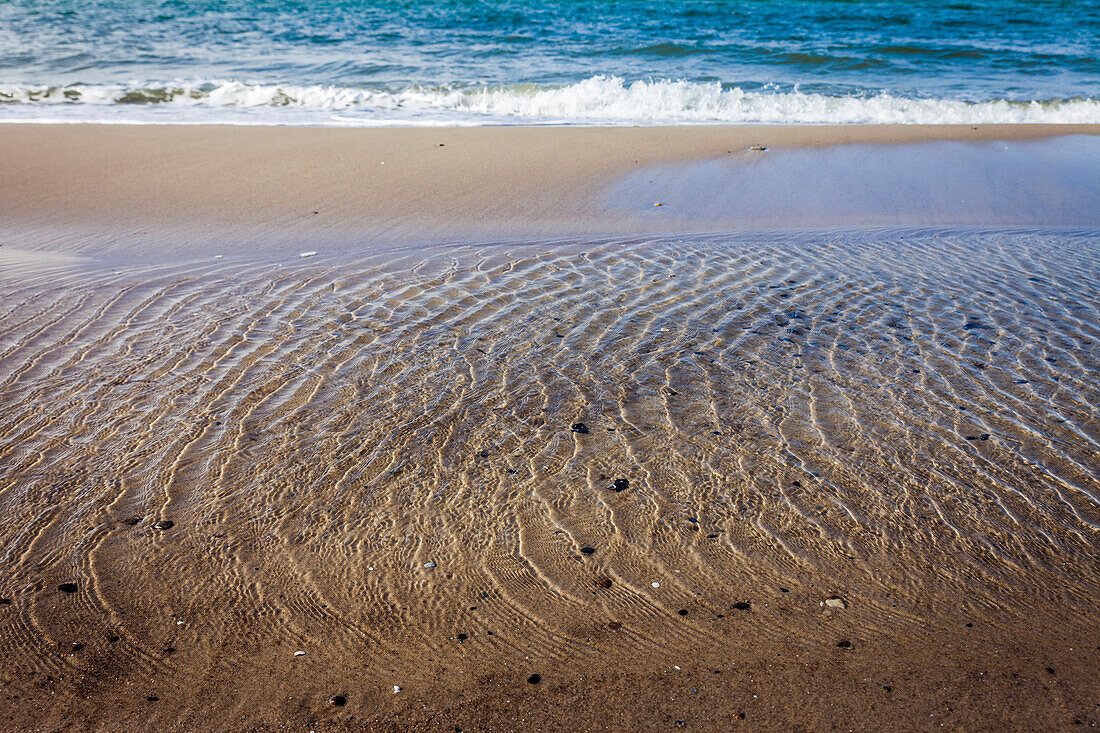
534 679
785 590
844 644
985 436
712 536
5 601
131 521
462 637
152 698
681 724
483 454
970 626
603 582
587 550
887 688
742 606
339 701
67 587
113 638
682 612
972 437
693 520
77 646
164 524
614 625
620 484
579 427
1050 669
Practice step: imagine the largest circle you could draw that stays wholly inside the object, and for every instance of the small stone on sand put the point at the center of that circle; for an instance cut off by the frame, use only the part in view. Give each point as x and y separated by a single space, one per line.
299 653
579 427
836 602
587 550
339 701
307 254
67 587
164 524
429 565
620 484
534 679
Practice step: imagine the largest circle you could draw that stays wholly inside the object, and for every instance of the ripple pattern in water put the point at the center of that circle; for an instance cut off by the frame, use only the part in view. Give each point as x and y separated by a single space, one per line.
905 418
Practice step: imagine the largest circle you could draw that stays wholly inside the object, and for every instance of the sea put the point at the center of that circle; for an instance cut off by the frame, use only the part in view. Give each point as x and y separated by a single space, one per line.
555 62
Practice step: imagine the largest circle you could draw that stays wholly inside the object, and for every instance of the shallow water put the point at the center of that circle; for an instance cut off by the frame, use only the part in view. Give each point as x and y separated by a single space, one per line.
1051 182
906 418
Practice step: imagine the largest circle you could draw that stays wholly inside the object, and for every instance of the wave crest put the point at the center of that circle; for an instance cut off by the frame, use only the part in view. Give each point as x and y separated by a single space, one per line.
596 100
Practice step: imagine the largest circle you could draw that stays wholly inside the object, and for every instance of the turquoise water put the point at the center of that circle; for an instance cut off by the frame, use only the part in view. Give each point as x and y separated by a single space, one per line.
356 62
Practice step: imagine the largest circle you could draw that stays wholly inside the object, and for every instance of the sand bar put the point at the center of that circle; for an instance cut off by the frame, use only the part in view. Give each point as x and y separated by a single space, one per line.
96 189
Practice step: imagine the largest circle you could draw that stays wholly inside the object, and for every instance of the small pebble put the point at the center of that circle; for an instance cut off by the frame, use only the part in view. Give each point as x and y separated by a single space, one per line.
307 254
836 602
152 698
534 679
579 427
620 484
396 689
462 637
429 565
67 587
164 524
614 625
682 612
587 550
655 584
77 646
603 582
339 701
844 644
299 653
742 606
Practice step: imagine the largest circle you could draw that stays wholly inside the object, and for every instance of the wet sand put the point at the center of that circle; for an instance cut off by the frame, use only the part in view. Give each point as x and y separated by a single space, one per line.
861 487
150 192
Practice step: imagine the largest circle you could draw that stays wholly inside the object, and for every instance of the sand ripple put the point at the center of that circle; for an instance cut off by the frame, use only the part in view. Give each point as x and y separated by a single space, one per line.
908 419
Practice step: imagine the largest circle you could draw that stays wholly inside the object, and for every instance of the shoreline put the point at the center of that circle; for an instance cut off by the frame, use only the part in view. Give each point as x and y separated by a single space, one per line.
107 189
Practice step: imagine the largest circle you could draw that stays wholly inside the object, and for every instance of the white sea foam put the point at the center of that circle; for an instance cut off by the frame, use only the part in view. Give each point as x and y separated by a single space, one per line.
597 100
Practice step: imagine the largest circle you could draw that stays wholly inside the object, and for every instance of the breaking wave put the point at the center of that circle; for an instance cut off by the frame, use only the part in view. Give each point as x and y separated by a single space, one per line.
596 100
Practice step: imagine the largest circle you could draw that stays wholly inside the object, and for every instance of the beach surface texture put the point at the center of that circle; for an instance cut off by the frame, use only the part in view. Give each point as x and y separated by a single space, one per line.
297 440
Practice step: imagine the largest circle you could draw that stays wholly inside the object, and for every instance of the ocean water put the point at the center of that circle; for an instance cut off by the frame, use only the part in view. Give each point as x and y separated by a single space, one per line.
452 62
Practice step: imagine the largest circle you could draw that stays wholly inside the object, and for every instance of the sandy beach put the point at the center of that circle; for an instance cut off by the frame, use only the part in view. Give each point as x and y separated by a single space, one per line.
148 190
514 449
